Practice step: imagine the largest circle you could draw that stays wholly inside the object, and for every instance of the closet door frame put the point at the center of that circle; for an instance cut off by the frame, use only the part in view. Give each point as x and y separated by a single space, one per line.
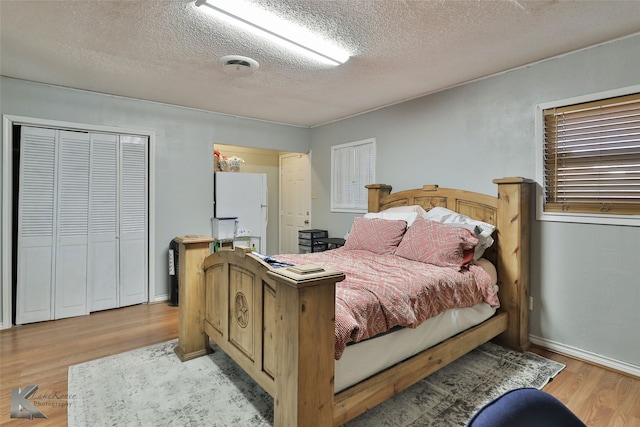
8 122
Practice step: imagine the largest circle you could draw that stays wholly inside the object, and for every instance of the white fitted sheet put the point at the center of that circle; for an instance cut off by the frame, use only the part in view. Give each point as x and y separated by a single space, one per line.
360 361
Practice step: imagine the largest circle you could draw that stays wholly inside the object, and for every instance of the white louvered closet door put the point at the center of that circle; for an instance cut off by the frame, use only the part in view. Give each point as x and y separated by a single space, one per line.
133 220
72 224
36 225
103 223
82 223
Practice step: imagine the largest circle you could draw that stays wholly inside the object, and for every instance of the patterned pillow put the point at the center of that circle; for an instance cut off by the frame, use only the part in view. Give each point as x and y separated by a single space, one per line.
480 229
439 244
377 235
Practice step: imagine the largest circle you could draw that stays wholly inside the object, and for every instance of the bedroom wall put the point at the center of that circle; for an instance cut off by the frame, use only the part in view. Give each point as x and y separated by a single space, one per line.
183 151
584 279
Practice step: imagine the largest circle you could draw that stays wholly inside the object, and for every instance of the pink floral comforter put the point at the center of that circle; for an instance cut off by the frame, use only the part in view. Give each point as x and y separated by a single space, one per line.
384 291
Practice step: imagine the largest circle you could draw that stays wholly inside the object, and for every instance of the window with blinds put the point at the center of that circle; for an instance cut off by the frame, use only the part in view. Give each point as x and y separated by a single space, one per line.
591 157
352 167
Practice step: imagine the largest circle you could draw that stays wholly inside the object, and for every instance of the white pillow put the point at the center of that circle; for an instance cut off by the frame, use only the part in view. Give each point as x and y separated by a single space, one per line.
409 217
413 208
482 230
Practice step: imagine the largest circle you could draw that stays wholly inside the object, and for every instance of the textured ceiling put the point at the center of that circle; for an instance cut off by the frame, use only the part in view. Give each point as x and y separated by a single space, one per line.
168 51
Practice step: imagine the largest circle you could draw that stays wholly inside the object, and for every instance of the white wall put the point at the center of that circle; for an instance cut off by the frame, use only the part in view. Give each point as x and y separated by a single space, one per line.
584 278
183 152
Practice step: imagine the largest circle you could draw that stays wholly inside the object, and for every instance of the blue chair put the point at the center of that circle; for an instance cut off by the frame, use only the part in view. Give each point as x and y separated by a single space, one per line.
525 407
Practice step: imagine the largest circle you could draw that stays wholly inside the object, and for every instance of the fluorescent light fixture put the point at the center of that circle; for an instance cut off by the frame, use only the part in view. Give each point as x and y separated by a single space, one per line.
274 27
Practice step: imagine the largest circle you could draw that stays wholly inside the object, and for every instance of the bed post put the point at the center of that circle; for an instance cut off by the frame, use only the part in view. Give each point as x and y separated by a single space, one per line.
192 341
513 225
376 192
305 343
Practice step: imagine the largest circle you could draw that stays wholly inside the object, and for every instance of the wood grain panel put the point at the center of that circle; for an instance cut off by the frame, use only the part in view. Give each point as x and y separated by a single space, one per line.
193 342
305 338
478 211
269 322
216 305
514 198
429 203
242 310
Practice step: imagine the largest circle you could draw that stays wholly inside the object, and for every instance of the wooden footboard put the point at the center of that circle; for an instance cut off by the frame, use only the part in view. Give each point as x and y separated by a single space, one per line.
282 331
279 330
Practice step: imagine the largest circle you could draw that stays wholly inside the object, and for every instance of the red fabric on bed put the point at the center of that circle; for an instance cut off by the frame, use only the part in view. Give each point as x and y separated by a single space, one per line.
384 291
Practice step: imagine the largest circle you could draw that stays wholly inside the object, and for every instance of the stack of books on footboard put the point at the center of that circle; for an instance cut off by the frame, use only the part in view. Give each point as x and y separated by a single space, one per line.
306 272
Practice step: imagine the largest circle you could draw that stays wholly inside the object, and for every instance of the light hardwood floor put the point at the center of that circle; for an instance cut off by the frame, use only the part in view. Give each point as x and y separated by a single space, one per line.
41 354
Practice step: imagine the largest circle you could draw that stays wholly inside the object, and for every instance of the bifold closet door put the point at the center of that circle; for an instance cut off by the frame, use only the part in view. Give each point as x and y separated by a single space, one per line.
82 223
36 225
103 268
72 225
133 220
52 225
118 221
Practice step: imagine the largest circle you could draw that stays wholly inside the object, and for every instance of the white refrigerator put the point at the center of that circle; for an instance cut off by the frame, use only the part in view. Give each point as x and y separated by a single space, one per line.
243 195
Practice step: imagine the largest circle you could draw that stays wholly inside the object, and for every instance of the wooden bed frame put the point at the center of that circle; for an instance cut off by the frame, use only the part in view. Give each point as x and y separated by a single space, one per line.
281 331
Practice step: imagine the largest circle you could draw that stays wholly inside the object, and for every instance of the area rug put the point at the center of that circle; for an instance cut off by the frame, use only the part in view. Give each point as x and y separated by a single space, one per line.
151 387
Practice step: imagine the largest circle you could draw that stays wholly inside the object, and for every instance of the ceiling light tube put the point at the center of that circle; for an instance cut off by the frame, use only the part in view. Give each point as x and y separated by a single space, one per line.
271 25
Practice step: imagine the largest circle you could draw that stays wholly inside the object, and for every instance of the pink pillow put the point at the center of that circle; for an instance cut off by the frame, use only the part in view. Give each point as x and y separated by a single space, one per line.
439 244
377 235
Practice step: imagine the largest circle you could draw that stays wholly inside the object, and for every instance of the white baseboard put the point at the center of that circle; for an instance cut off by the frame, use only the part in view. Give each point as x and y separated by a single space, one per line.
608 362
160 298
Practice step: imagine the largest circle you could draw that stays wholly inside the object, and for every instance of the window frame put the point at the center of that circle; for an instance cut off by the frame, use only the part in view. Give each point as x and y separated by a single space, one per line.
573 217
354 206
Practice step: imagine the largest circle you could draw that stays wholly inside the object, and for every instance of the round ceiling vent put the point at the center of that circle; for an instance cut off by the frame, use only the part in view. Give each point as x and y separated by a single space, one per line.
238 65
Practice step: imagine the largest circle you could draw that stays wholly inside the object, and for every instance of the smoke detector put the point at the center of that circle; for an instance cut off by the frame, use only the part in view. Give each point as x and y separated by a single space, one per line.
238 65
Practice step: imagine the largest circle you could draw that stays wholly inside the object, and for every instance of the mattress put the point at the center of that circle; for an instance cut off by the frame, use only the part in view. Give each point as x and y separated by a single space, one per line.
361 360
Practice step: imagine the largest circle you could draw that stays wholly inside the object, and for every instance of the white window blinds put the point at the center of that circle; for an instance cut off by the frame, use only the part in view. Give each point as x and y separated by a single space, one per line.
352 167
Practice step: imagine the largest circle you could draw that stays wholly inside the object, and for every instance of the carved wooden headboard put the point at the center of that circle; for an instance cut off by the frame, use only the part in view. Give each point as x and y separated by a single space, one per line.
475 205
509 211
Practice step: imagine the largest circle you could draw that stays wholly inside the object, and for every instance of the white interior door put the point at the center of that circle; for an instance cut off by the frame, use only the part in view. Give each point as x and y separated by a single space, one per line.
295 200
36 225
